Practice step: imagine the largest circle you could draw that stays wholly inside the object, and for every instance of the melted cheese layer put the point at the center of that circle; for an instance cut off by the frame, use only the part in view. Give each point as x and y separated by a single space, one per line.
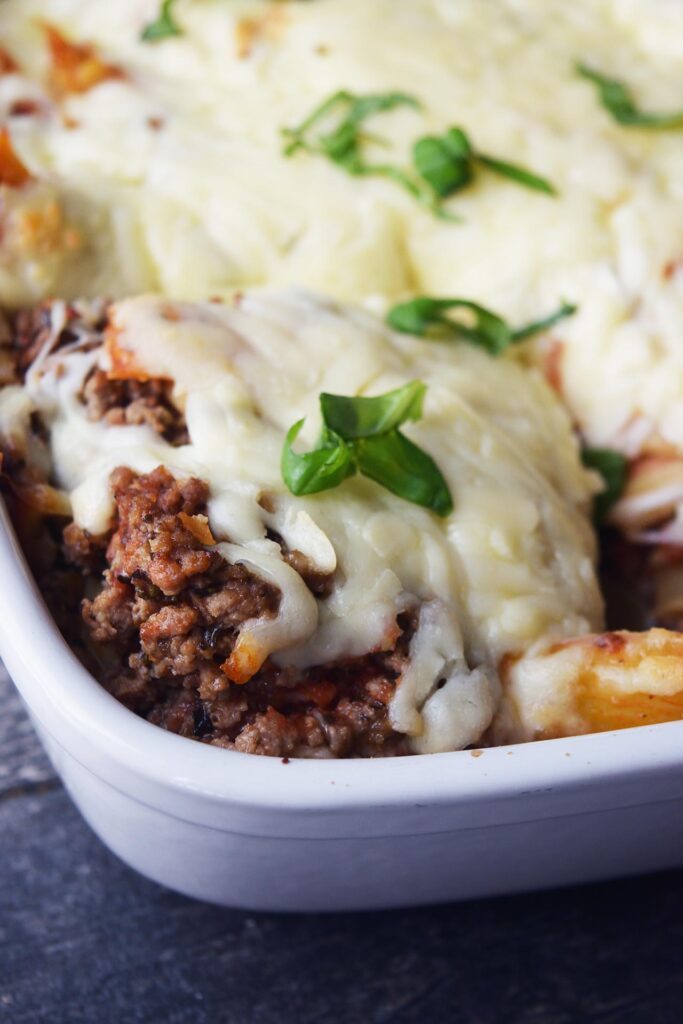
179 169
512 564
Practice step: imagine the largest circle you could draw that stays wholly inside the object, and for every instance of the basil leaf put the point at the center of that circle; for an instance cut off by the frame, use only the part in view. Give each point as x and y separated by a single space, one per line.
362 434
565 310
164 25
404 469
612 467
361 417
427 317
444 162
424 316
325 467
518 174
418 316
618 100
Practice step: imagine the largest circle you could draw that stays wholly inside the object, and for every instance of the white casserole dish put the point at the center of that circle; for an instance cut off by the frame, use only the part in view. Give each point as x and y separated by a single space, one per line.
253 832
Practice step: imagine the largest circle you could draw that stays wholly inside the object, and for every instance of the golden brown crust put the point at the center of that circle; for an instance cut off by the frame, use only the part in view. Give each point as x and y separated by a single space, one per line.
76 67
8 65
593 683
12 171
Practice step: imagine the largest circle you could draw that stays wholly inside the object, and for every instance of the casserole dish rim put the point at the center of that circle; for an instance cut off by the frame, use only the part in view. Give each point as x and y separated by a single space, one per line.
52 676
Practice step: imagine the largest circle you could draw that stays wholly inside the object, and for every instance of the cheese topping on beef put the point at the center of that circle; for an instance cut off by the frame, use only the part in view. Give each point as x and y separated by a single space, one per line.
512 564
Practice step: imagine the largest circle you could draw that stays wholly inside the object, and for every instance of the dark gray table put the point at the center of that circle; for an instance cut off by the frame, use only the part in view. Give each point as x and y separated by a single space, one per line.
84 939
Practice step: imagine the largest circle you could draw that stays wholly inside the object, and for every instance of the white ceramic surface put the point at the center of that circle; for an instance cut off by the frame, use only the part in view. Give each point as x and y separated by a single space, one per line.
338 835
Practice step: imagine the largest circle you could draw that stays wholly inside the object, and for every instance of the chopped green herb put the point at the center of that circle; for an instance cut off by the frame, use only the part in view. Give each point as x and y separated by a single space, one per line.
536 326
448 162
341 140
612 467
163 26
618 100
516 173
362 435
428 317
444 162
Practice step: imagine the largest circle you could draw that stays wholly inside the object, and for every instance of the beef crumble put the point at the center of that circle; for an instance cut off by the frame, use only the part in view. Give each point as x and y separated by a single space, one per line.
36 503
24 335
135 403
29 330
168 614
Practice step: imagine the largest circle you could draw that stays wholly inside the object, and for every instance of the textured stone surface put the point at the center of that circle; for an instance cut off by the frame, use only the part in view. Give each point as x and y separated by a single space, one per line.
84 939
23 766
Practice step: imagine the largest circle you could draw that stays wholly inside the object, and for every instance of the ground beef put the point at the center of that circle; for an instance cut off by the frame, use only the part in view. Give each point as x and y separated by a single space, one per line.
167 615
84 551
135 403
152 542
117 402
319 583
30 329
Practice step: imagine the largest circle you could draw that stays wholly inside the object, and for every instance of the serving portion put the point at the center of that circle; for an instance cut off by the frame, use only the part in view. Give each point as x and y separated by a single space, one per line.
221 605
367 613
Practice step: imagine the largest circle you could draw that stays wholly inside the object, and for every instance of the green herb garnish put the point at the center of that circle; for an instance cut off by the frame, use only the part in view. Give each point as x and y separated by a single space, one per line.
536 326
428 317
341 137
516 173
448 163
325 467
343 140
444 162
442 165
362 435
618 100
163 26
612 467
335 130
